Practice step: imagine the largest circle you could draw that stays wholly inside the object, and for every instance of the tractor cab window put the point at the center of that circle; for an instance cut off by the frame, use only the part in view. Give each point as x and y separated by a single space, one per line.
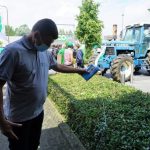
147 33
132 35
128 35
137 34
147 38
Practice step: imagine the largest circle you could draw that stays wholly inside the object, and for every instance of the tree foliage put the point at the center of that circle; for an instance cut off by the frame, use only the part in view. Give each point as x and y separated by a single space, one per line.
9 30
89 27
22 30
65 32
61 31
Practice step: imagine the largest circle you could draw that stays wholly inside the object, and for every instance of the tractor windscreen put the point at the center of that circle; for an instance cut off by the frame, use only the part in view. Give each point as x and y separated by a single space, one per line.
147 32
132 35
146 40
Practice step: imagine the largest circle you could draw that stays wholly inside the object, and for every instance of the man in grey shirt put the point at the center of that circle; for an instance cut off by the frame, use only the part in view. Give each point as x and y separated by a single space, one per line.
24 65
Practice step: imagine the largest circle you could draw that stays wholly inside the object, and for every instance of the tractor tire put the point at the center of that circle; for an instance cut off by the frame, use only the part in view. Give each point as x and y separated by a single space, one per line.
119 65
148 61
136 70
102 72
92 59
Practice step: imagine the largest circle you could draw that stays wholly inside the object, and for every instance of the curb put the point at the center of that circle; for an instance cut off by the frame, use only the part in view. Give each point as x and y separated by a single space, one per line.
71 138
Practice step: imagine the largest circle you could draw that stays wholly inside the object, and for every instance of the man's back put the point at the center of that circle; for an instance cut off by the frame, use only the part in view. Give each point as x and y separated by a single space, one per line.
68 57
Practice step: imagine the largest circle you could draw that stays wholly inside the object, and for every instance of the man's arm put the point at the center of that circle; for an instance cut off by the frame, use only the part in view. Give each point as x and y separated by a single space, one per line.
66 69
1 100
5 125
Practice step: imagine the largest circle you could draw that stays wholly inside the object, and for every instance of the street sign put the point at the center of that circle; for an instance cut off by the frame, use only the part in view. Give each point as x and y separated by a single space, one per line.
0 23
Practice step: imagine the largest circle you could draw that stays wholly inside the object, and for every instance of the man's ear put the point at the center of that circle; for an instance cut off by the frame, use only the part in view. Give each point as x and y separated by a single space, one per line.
37 38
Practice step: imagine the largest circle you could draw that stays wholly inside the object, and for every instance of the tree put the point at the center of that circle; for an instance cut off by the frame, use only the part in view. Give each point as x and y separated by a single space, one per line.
89 27
22 30
61 31
70 32
9 30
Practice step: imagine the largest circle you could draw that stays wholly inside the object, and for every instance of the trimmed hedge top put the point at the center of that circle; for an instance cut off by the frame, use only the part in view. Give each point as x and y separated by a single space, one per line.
104 114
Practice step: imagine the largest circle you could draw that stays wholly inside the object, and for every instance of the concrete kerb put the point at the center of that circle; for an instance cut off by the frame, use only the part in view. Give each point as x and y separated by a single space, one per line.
68 134
71 138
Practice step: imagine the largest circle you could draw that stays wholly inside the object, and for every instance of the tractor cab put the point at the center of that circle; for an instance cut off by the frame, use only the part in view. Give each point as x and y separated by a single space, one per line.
139 35
132 34
146 38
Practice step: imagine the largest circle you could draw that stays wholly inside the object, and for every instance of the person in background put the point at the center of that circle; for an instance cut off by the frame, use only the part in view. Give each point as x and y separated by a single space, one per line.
74 52
68 54
74 56
24 65
60 55
95 49
79 57
55 49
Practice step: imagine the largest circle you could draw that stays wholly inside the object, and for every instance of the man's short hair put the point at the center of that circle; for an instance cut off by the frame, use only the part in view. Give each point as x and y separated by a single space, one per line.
77 45
46 27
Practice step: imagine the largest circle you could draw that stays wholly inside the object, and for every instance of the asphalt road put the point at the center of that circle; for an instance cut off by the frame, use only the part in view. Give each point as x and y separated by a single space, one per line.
141 81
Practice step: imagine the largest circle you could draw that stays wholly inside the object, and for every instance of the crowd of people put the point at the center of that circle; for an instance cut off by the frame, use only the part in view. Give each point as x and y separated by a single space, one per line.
69 54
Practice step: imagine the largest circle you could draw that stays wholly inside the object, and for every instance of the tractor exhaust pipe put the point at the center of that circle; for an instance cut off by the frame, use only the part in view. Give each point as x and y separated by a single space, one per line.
115 31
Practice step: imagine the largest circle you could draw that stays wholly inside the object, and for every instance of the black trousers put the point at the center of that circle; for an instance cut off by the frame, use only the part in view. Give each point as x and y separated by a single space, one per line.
29 134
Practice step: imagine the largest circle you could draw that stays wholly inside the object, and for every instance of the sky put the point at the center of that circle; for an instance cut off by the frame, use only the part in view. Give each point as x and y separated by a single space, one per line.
120 12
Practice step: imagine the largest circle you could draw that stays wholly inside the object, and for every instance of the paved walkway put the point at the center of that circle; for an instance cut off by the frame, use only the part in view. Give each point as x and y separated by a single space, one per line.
56 135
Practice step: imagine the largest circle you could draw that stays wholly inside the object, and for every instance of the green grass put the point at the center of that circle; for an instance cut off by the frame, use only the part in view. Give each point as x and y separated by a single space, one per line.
104 114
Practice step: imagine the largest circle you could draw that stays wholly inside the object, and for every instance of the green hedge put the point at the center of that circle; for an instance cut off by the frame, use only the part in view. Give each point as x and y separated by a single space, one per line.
105 115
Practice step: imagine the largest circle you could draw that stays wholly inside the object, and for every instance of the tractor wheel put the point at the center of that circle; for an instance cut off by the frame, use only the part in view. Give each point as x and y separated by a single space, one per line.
136 70
121 65
104 71
92 59
148 60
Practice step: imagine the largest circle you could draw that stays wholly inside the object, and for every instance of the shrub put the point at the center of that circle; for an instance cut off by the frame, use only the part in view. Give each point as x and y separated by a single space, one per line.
104 114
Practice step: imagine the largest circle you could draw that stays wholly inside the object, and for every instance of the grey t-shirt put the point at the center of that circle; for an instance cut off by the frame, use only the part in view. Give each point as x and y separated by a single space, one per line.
26 73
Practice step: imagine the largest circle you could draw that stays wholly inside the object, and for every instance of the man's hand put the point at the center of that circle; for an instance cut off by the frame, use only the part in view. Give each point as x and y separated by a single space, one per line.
6 128
5 125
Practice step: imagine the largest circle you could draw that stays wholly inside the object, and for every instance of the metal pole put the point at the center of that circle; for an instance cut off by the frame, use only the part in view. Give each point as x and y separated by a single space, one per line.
131 78
122 21
7 20
123 77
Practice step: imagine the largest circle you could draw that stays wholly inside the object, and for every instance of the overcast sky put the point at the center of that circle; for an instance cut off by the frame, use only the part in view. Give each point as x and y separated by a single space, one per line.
65 11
